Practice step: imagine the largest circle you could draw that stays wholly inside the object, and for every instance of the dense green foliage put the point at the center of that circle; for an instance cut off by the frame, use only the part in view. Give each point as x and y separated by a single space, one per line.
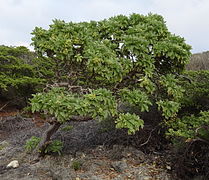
18 77
129 60
54 147
193 118
196 96
32 143
105 52
63 104
191 127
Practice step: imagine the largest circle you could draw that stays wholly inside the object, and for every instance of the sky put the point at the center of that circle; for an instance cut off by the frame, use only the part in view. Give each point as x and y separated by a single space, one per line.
187 18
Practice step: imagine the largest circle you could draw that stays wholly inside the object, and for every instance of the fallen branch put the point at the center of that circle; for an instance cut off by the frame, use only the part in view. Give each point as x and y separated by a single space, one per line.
150 134
4 105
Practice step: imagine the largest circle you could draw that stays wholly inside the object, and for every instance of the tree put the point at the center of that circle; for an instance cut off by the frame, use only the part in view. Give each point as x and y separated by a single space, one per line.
18 77
132 60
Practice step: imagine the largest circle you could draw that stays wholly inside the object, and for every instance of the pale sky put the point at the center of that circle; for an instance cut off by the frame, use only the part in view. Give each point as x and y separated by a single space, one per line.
187 18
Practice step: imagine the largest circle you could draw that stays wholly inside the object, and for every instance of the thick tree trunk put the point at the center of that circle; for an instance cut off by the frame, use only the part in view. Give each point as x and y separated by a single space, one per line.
45 139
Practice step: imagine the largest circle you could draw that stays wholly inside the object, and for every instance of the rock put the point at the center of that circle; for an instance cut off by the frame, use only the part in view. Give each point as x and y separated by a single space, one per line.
164 176
119 151
168 167
116 152
134 153
119 166
4 150
80 155
123 176
95 178
141 177
93 166
13 164
3 144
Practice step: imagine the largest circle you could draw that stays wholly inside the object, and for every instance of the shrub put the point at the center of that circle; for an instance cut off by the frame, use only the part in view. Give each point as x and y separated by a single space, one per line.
190 130
67 128
191 127
54 147
76 165
196 96
122 60
32 143
18 78
193 118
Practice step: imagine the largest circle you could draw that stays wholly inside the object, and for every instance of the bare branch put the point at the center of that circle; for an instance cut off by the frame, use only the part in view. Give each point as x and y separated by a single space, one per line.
4 105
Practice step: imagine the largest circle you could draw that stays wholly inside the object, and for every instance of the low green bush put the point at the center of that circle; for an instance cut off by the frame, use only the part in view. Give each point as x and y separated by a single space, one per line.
54 147
32 143
76 165
192 122
191 127
196 96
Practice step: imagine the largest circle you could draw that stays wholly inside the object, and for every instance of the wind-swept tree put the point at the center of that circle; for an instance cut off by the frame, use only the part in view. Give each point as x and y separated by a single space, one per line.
132 60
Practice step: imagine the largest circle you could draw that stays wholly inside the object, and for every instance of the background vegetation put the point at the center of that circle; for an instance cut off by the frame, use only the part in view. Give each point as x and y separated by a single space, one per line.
18 76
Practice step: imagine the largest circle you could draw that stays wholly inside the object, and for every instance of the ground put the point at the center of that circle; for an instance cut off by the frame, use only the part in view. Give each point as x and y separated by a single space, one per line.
89 153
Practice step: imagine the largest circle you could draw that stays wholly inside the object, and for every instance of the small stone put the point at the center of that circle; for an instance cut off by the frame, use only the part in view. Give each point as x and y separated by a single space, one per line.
13 164
95 178
168 167
143 177
80 155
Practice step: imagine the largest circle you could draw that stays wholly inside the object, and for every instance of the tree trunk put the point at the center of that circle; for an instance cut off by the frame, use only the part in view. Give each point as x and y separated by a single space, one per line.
45 139
39 151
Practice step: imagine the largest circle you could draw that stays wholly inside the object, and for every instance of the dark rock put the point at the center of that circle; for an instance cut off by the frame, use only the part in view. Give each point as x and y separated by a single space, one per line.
119 166
134 153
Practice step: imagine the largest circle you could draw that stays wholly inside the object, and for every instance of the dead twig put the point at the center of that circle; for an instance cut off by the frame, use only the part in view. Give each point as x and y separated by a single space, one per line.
71 88
150 134
4 105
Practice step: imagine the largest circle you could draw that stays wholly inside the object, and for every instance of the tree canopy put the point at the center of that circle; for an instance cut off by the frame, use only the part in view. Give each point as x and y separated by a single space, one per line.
130 60
116 51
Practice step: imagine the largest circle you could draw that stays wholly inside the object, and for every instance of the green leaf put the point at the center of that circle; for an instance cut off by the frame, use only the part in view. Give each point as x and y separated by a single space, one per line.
130 121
